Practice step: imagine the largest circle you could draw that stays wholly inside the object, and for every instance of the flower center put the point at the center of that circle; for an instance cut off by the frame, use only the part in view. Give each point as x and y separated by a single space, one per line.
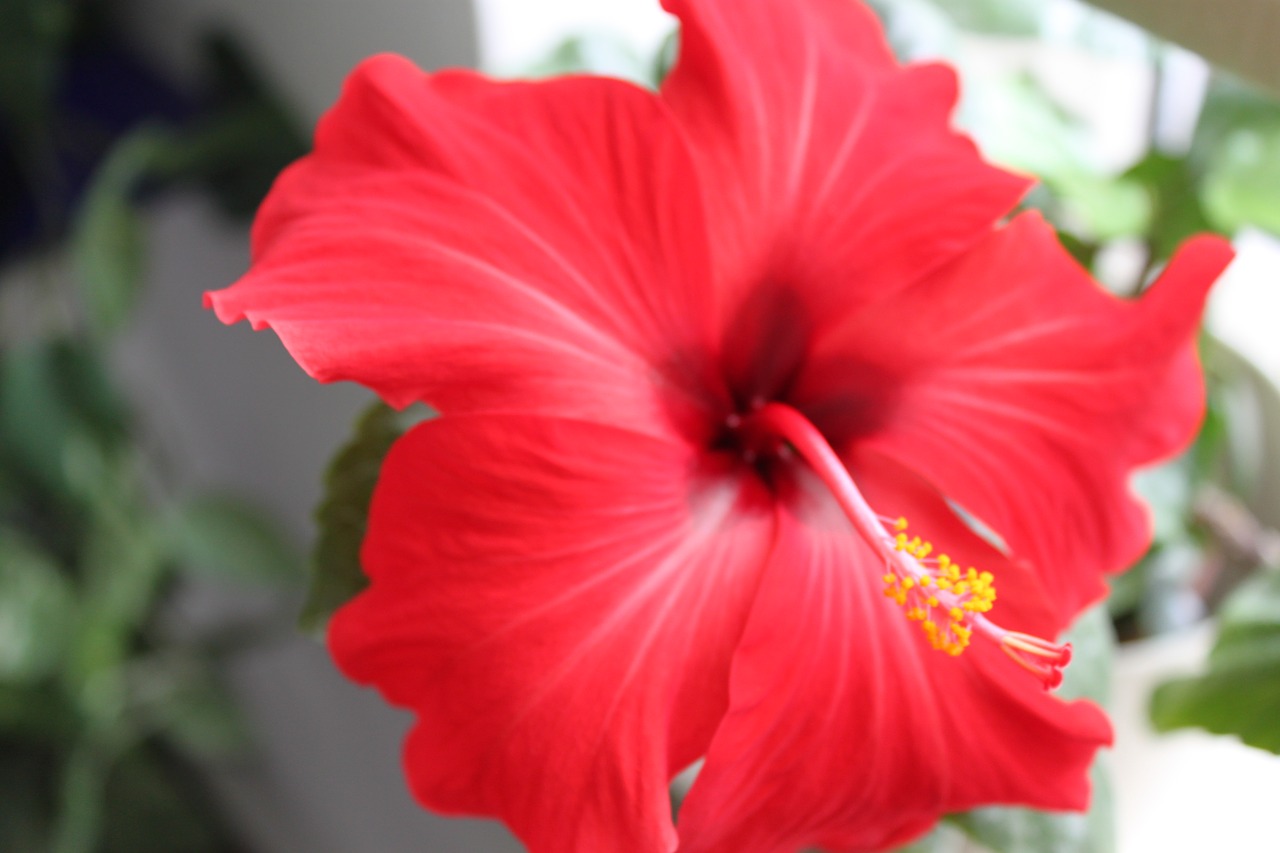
949 603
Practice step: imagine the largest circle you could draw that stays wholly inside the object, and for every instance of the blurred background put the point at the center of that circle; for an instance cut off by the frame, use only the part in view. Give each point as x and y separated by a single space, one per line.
159 472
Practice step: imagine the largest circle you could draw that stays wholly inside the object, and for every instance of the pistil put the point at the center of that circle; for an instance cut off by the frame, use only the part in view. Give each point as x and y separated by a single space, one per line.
949 604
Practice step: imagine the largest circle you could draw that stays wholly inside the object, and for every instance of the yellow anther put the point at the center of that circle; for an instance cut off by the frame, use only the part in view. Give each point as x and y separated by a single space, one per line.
925 589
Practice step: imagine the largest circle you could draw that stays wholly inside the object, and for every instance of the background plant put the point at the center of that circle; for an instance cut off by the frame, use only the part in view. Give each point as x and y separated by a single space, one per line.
107 703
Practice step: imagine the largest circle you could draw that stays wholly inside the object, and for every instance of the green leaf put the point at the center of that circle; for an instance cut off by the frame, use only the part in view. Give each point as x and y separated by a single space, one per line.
106 241
180 697
52 391
994 17
154 804
238 147
1243 181
227 537
665 58
1239 693
32 33
1106 208
1019 124
35 418
343 514
1017 830
37 610
1233 151
943 839
599 53
1175 201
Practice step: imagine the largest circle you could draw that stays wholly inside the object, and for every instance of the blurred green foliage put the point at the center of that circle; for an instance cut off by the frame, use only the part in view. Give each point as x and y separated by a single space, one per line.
105 709
1239 693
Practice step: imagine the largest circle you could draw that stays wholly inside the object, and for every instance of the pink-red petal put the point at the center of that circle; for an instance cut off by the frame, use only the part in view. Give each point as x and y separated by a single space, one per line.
827 171
558 602
481 246
1026 394
847 732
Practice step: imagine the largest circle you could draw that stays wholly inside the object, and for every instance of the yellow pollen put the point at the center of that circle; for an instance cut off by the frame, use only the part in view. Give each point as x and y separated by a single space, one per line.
960 593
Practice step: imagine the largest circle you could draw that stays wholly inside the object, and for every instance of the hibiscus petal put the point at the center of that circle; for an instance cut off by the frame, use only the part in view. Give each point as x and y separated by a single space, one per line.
523 246
827 170
558 602
1027 394
846 731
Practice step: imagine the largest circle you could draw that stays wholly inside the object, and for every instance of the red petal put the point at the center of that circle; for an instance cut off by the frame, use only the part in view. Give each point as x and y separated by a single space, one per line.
825 167
847 732
481 245
558 602
1027 394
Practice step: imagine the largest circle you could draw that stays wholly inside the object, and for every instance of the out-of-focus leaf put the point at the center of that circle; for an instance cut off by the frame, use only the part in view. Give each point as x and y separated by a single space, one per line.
1016 830
180 698
153 805
1084 251
32 33
227 537
665 59
80 811
123 568
1176 210
1229 106
50 391
34 713
25 792
994 17
1105 208
82 378
1242 185
598 53
242 142
1239 693
1233 151
106 240
37 610
35 418
343 514
1019 125
943 839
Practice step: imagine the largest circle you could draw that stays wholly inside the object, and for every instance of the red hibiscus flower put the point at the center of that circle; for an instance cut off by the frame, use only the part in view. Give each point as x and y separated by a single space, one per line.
697 351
